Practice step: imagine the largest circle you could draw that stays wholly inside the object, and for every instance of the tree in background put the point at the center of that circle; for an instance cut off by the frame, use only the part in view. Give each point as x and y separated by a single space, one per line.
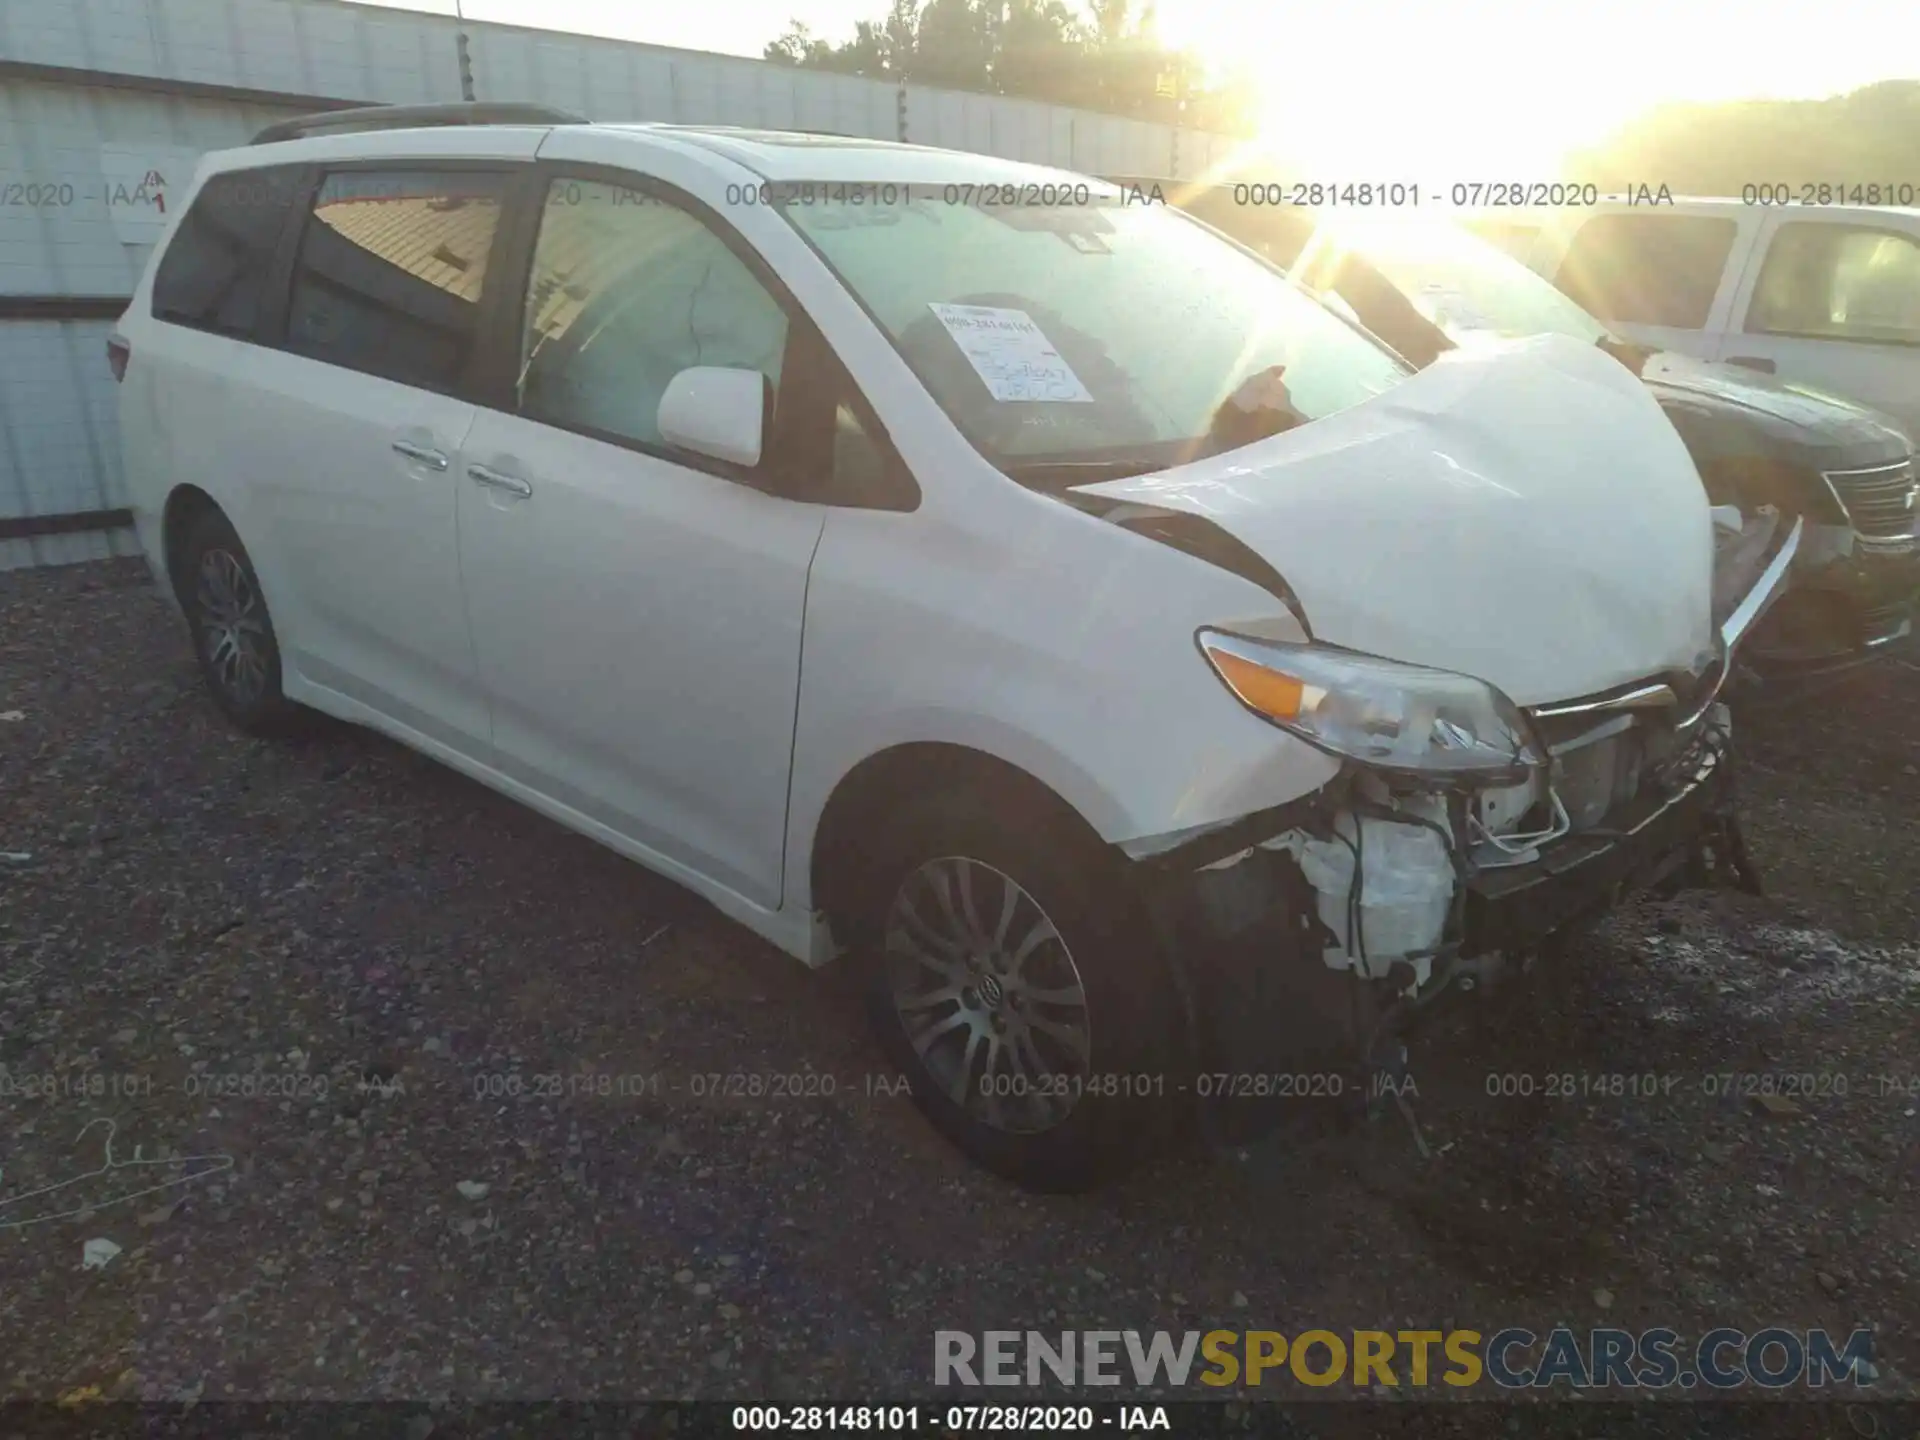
1109 59
1870 136
796 46
957 43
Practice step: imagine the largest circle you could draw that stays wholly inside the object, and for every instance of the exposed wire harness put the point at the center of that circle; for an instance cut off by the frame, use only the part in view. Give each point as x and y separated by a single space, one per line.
1520 848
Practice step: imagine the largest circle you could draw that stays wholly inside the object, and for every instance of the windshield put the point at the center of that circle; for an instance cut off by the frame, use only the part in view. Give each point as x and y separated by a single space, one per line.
1472 290
1086 332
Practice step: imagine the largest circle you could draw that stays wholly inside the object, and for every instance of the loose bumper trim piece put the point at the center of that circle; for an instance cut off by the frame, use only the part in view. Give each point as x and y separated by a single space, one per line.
1772 581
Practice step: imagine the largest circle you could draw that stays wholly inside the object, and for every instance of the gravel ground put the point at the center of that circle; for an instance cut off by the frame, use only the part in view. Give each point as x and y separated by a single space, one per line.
483 1170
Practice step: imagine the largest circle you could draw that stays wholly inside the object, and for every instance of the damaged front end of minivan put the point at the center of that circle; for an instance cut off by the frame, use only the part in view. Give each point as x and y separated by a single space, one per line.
1462 834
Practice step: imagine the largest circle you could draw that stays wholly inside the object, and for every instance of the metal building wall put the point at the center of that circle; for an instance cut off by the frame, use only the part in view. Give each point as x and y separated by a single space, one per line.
71 250
332 49
97 96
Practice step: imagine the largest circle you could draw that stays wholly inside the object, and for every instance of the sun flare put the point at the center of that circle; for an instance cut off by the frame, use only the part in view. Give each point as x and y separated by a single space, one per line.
1485 90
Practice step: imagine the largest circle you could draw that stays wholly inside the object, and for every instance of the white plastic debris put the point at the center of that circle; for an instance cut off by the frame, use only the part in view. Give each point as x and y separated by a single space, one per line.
472 1190
97 1254
13 716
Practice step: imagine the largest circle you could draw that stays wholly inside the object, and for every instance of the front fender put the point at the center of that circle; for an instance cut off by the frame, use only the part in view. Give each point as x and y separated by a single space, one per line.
1066 652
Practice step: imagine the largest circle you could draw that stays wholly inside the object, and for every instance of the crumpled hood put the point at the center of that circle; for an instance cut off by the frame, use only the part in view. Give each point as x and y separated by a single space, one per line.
1523 513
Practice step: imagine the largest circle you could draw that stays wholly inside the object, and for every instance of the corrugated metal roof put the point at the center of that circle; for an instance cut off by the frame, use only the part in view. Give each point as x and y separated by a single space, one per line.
447 248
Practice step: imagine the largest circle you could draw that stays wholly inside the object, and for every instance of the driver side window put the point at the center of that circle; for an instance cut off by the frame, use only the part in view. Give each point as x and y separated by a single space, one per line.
626 291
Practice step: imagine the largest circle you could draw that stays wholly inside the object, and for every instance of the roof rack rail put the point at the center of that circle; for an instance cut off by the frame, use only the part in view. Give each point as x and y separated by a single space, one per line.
409 117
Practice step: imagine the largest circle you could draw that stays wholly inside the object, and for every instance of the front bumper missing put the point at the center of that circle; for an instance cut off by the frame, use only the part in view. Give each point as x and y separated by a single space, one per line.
1257 969
1642 844
1266 1012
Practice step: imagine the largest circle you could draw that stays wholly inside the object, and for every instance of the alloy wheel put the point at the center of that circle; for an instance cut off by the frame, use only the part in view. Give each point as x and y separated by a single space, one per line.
988 995
233 626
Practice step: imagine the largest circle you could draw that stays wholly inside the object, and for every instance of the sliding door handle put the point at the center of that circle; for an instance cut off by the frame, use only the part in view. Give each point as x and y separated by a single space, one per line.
1753 362
495 480
427 456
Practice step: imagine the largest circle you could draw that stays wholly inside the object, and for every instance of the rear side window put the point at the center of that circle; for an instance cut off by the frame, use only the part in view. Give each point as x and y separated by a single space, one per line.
1839 281
391 268
214 273
1648 269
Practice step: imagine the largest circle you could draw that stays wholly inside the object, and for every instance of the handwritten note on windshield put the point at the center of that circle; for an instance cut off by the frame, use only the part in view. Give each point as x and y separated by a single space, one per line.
1011 355
1450 307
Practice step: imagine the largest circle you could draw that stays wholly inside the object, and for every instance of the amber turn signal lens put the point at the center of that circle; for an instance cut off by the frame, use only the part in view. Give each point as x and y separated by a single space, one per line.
1267 691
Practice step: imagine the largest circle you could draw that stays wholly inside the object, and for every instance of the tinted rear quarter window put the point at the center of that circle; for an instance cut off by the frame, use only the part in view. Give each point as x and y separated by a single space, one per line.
391 268
1648 269
214 273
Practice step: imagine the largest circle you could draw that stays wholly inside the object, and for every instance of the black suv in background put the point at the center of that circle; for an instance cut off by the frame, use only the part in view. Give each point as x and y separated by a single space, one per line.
1426 286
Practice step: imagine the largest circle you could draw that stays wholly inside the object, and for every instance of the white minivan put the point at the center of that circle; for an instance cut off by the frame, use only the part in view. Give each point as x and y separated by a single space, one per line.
1823 295
1163 691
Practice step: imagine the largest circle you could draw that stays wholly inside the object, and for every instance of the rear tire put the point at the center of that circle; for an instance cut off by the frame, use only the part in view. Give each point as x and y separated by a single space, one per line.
233 635
1009 977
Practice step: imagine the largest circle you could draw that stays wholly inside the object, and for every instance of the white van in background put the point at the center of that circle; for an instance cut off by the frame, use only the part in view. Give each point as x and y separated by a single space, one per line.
1826 296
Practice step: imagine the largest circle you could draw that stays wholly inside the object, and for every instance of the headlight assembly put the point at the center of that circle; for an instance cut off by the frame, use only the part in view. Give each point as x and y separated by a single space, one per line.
1379 712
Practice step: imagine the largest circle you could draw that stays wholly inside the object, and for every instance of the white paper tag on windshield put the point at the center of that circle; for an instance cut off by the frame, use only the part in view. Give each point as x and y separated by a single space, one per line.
1452 307
1010 354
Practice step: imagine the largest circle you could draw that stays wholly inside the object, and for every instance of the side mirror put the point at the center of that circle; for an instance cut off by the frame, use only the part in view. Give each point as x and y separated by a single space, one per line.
714 411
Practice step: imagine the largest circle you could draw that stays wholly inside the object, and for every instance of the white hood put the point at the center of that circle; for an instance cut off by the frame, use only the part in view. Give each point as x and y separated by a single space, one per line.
1524 513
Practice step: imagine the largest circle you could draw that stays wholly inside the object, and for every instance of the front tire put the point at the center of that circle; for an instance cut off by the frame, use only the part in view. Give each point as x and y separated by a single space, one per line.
233 635
1010 978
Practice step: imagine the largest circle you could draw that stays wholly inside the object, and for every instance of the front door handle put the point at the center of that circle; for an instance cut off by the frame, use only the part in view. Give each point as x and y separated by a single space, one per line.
431 458
1753 362
513 484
